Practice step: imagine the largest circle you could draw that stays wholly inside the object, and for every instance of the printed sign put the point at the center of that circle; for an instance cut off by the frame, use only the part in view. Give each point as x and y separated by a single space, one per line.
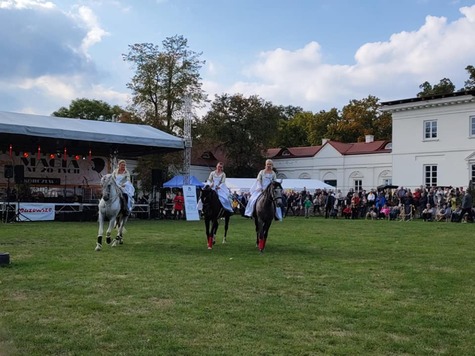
191 211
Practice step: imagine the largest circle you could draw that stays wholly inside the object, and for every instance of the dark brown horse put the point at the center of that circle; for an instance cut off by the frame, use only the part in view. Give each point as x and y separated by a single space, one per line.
213 211
265 212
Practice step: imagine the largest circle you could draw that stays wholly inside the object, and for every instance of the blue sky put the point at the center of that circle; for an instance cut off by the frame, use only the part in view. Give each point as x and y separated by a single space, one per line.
317 54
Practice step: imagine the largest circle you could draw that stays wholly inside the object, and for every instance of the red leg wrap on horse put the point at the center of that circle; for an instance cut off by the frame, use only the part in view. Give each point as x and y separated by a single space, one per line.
261 244
210 241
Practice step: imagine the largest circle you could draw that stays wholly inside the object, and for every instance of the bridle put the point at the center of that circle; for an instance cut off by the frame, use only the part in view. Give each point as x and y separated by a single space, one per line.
106 189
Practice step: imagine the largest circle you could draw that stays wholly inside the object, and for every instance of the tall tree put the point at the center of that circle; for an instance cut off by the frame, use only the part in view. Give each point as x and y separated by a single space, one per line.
470 82
320 124
360 118
243 127
445 86
163 78
90 109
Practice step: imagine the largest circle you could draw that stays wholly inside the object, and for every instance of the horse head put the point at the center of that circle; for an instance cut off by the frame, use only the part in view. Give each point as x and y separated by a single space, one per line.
210 200
276 193
106 186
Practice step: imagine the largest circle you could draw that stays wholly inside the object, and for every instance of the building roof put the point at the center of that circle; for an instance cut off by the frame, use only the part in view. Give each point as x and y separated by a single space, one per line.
25 132
359 148
343 148
417 99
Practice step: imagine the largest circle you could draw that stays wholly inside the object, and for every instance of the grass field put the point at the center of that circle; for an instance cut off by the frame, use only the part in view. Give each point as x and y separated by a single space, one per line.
339 287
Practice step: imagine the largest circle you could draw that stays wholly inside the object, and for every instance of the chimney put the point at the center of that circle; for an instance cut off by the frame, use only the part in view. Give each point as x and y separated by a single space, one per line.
324 140
369 138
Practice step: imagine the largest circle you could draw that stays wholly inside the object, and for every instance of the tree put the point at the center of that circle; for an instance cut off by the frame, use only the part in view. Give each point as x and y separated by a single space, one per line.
320 124
90 109
243 127
470 83
358 119
445 86
163 78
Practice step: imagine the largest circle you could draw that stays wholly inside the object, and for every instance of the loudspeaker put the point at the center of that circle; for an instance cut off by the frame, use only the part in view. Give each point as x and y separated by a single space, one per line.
157 177
8 172
19 171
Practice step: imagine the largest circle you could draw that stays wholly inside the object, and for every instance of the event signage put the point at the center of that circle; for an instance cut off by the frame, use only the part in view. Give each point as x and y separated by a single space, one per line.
191 210
56 171
35 212
43 181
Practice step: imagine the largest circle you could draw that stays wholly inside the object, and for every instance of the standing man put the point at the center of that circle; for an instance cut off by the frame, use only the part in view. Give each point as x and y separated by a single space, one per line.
467 205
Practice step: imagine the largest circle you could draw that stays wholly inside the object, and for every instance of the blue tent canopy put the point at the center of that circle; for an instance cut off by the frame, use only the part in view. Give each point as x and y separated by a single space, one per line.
177 182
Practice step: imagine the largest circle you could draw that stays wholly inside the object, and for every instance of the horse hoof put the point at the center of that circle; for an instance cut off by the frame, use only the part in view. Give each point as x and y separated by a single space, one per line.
108 240
210 248
98 247
114 243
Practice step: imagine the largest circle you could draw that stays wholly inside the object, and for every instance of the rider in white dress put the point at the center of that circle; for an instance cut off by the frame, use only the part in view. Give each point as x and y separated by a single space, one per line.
122 177
217 181
264 178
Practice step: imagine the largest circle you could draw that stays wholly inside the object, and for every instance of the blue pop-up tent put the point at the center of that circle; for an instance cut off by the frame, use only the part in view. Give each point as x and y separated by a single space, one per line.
178 181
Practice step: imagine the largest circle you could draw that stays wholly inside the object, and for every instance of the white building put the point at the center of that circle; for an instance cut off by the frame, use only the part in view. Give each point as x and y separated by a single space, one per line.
433 140
433 144
361 165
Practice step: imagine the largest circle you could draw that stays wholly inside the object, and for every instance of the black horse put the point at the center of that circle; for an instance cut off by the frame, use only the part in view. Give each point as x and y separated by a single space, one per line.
213 211
264 212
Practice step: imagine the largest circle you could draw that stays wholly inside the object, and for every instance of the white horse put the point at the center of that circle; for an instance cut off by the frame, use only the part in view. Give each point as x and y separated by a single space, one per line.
110 207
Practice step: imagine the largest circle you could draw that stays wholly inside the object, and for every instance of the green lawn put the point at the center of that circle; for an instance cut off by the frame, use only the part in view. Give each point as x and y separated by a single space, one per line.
322 287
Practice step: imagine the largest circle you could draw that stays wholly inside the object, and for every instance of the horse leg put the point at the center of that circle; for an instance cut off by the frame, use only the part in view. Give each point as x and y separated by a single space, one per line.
100 232
265 232
226 225
109 231
208 234
215 229
121 229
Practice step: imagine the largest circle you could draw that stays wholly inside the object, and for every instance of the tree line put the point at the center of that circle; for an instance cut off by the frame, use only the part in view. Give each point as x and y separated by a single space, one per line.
242 127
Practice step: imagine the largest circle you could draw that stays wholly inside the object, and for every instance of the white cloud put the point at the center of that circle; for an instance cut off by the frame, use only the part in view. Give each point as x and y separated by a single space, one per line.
25 4
48 63
437 50
94 31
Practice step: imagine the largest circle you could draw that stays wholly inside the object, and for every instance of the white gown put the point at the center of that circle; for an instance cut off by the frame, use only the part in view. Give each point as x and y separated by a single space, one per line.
223 191
127 187
256 190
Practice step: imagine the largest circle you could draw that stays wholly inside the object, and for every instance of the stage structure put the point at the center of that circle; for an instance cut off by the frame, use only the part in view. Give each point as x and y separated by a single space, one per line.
61 160
187 118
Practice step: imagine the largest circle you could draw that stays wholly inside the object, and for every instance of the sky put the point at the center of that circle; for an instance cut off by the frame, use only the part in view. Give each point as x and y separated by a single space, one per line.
315 54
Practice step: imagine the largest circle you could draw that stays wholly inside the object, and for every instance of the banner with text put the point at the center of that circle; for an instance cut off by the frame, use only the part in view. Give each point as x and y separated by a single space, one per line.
191 211
35 212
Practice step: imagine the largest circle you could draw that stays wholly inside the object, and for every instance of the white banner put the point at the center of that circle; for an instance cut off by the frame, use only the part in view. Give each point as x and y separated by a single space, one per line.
191 211
35 212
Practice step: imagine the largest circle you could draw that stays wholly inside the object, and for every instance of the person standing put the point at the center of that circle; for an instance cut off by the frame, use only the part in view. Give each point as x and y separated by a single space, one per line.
467 205
307 204
178 205
264 178
122 178
217 181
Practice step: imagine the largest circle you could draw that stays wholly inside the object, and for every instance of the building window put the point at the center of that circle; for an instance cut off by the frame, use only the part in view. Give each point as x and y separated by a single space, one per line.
430 175
358 185
472 126
430 129
472 177
331 182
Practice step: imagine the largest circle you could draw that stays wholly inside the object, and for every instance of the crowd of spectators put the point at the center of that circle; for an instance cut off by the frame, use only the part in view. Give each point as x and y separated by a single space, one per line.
426 203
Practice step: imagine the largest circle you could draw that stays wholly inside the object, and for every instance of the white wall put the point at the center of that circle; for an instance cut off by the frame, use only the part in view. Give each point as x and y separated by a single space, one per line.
449 151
